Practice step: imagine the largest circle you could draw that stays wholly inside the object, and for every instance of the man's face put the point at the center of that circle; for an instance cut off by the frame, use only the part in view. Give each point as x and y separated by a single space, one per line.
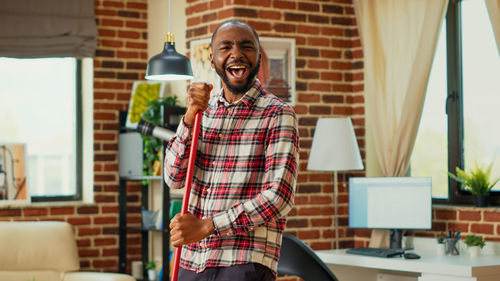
236 57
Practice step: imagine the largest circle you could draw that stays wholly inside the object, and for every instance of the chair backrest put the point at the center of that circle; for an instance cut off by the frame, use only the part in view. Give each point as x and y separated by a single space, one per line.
298 259
38 245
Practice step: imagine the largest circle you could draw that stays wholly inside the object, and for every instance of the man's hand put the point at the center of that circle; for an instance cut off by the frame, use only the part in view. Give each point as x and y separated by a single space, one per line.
187 229
197 99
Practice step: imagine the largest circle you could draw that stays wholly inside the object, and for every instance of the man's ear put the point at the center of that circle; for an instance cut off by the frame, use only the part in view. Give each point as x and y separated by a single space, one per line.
212 60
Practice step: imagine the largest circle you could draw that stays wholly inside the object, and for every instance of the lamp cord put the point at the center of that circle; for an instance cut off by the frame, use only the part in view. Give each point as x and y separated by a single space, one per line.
169 16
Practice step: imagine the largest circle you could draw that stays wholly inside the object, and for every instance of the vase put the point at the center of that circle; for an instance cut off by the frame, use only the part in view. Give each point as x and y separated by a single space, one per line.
151 274
481 200
474 251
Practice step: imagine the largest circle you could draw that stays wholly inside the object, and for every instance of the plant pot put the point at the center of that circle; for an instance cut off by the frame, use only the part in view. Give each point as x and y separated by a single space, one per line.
440 249
151 274
474 251
481 200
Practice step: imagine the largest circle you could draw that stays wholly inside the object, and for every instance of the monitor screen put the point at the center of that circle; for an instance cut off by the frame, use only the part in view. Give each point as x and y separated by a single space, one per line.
390 203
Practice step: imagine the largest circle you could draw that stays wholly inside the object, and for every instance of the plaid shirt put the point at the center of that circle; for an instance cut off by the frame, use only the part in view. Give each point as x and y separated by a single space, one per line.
244 178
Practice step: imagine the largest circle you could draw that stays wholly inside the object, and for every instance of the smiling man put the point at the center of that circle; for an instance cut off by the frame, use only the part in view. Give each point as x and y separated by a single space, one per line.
246 167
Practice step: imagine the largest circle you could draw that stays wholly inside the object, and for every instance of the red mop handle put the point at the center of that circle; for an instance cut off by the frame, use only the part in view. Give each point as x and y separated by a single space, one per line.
187 189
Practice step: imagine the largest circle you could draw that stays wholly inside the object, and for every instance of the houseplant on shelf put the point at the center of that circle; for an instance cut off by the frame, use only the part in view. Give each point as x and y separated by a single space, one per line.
152 145
477 182
151 268
475 244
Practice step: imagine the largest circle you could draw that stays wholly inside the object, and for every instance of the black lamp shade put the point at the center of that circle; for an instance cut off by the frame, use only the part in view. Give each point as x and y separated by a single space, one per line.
169 65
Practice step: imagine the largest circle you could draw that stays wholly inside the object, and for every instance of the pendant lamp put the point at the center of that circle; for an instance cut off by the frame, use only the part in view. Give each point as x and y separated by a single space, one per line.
169 65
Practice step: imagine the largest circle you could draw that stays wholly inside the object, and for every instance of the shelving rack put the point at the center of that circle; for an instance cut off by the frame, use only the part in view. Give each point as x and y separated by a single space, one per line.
171 115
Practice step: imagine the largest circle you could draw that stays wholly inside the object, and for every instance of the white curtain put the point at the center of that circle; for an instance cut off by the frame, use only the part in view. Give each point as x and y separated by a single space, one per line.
493 7
399 40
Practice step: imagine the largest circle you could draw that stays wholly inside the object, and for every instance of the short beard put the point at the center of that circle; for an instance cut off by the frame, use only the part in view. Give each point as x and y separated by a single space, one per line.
241 89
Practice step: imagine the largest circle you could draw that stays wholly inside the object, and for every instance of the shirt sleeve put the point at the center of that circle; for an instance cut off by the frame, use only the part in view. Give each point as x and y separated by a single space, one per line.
276 198
177 156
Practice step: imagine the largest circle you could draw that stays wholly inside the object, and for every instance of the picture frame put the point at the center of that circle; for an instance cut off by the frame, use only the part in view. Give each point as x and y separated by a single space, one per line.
143 91
277 70
200 63
13 173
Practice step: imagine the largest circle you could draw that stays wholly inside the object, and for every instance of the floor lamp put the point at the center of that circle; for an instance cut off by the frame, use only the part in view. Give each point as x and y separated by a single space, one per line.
334 148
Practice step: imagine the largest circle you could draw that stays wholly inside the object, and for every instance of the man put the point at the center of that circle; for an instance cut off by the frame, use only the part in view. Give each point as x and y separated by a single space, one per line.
246 168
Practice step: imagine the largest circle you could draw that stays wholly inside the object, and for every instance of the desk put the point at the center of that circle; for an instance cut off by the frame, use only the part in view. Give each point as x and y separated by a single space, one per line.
430 267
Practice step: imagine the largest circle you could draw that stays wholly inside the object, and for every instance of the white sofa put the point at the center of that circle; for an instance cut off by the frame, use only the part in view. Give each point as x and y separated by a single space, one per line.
44 251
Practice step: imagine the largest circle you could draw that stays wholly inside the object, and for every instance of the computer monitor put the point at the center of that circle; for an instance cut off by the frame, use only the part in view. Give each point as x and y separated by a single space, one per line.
395 203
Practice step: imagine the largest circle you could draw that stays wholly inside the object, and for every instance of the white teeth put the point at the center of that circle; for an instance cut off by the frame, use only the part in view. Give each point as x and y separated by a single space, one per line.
237 67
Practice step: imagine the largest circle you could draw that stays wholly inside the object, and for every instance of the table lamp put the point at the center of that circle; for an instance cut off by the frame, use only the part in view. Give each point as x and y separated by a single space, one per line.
334 148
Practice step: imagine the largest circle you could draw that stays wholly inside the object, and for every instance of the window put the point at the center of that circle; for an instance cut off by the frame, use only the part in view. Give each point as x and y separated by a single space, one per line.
458 126
41 107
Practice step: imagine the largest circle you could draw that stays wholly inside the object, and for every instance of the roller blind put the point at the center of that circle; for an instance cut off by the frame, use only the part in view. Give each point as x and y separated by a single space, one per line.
47 28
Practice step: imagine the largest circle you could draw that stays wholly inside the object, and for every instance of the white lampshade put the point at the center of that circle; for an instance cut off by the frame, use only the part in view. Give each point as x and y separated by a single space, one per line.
334 146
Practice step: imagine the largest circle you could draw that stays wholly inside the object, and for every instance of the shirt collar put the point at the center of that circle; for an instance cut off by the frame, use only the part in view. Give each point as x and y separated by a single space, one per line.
248 98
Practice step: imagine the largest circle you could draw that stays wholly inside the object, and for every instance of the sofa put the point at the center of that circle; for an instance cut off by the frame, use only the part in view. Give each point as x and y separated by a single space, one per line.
44 251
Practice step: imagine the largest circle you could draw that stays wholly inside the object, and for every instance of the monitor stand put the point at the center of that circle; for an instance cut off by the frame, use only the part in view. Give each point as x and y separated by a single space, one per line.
396 236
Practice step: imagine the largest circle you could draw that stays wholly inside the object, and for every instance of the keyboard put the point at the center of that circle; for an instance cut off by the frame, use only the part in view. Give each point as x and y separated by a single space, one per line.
376 252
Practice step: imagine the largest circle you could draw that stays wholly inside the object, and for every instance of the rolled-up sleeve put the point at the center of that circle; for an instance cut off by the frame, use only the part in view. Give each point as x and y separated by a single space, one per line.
176 157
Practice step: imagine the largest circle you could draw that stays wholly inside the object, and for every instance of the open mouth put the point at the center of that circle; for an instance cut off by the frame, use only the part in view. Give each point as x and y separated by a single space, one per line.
237 71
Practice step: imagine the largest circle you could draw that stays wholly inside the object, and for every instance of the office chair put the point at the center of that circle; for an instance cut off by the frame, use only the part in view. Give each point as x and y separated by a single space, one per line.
298 259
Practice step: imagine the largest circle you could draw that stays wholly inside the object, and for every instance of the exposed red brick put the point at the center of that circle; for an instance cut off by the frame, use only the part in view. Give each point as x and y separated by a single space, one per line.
269 15
469 216
308 234
482 228
35 212
311 7
62 210
445 215
284 4
494 217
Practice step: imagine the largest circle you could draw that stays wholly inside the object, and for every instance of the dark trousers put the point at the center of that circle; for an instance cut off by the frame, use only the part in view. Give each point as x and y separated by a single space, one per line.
242 272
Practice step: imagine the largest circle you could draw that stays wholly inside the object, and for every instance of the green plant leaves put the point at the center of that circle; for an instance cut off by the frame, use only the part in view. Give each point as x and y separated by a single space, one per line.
474 240
152 145
477 181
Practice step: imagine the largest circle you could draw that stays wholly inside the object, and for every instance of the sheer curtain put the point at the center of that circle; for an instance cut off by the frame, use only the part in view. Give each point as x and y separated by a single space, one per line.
399 39
494 12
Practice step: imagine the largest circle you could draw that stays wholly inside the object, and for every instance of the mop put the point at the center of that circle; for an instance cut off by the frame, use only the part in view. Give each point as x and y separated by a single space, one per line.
187 189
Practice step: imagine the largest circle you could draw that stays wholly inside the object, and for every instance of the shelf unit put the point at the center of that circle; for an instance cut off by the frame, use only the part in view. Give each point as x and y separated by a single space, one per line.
123 228
171 116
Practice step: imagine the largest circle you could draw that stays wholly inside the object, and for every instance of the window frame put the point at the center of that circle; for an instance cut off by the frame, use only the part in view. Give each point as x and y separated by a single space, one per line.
79 144
454 108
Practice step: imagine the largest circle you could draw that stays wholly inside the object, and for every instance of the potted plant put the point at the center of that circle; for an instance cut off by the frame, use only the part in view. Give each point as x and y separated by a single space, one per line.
474 243
440 246
477 182
151 268
152 145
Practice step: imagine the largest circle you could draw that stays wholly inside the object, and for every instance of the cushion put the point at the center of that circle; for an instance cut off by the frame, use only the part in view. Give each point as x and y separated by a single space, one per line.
38 246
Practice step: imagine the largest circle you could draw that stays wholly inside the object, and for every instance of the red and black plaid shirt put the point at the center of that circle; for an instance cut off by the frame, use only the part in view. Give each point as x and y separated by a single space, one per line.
244 178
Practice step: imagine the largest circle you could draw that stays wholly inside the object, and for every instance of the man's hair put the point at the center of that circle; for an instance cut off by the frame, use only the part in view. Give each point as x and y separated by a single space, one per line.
236 22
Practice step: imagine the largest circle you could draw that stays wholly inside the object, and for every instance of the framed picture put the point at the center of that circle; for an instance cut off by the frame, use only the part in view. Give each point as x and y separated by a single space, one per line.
142 93
277 69
200 62
13 183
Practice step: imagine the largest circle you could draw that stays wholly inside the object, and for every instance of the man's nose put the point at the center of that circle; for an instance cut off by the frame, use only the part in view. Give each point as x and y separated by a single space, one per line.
236 53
